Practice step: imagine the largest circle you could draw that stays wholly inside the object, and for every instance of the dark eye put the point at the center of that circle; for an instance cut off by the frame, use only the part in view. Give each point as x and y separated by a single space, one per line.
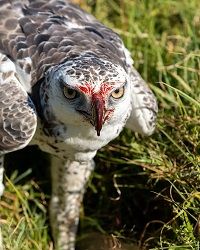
70 93
118 93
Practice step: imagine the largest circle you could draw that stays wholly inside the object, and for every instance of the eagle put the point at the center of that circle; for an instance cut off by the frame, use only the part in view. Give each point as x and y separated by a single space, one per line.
68 85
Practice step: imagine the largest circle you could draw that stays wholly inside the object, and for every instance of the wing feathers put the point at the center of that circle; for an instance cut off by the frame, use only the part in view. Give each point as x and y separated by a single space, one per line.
17 114
144 106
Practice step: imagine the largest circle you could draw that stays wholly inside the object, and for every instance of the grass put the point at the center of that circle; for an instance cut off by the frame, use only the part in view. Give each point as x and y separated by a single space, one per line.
144 190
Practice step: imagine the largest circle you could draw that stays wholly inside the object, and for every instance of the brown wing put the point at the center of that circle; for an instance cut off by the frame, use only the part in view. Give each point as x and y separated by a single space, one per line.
17 115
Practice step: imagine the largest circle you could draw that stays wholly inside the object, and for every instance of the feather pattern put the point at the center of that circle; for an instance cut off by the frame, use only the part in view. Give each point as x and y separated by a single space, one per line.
17 113
52 32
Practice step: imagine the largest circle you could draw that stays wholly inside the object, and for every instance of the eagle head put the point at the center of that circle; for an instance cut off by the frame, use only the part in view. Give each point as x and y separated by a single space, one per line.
90 89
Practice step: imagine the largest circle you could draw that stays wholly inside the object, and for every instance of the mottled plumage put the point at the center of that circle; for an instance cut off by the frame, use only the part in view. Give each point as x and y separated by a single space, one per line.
68 85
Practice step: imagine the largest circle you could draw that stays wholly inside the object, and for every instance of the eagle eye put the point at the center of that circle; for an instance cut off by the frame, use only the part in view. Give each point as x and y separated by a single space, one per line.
118 93
70 93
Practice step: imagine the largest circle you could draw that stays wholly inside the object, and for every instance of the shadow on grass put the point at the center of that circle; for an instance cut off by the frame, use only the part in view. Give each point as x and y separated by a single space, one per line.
130 206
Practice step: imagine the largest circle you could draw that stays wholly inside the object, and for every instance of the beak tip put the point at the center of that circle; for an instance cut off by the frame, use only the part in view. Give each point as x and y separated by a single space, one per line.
98 131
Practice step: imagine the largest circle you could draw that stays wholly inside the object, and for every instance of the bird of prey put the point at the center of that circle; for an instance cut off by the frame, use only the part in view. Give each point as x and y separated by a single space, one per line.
67 84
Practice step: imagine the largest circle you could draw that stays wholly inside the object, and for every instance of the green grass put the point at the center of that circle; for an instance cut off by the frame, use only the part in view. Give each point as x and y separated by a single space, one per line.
144 189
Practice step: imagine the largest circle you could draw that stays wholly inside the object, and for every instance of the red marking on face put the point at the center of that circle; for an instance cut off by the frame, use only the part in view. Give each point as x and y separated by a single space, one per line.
89 89
105 89
99 112
86 89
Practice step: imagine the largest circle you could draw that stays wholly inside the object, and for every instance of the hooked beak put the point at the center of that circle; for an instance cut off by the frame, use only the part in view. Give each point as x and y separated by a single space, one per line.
98 111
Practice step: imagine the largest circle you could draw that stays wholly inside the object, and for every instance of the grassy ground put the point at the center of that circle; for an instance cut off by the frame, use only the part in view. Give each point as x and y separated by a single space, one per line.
143 190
